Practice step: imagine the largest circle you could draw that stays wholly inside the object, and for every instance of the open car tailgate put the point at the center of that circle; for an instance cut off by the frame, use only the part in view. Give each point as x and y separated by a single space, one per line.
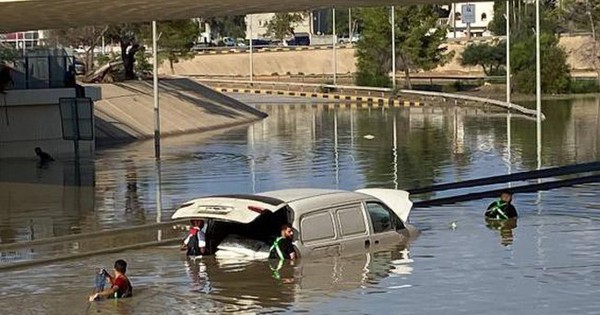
397 200
233 208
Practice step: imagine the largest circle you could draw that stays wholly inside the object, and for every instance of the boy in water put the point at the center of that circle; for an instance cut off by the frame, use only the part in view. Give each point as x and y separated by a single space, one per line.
120 285
195 242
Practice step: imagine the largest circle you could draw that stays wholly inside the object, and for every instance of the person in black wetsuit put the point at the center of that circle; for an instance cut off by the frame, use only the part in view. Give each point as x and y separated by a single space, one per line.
502 209
44 157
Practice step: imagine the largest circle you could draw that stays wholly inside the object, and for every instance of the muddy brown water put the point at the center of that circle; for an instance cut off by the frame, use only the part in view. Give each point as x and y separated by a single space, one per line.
547 264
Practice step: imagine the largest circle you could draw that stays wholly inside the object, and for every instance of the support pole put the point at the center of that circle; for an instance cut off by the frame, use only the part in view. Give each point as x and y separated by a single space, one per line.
508 85
334 50
393 22
538 83
251 52
155 90
349 25
454 19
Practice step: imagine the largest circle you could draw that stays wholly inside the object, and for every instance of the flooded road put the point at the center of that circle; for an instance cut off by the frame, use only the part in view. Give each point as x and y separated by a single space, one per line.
547 264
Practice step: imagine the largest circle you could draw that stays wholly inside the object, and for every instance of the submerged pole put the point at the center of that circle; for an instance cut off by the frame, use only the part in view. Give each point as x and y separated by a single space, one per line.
155 90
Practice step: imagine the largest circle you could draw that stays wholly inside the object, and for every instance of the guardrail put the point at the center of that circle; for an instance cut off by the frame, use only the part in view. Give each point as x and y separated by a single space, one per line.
383 92
270 48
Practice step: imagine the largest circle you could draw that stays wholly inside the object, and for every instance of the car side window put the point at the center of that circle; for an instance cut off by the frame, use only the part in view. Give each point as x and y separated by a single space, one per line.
382 218
351 220
317 227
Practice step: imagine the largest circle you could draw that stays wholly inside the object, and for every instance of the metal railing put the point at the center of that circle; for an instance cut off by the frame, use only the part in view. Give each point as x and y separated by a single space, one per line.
39 72
376 91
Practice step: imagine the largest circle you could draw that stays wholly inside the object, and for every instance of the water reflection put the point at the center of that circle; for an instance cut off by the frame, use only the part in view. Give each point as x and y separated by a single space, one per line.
292 148
505 227
552 257
44 202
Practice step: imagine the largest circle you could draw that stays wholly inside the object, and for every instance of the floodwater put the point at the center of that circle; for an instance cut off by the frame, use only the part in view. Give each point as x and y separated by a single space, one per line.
549 263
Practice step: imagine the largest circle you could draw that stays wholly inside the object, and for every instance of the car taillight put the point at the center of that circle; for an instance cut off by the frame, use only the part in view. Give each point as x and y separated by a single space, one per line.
256 209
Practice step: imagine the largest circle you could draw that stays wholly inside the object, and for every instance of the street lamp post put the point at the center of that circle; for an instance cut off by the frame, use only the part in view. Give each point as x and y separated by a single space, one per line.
251 53
538 83
155 90
508 86
334 50
349 25
393 22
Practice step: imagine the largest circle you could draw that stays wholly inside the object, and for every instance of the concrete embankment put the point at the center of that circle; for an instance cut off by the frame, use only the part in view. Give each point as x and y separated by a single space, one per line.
268 63
126 112
309 62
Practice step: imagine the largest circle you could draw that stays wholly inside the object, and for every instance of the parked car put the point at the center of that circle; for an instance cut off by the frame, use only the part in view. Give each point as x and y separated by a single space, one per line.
260 42
345 40
326 222
299 39
228 41
240 42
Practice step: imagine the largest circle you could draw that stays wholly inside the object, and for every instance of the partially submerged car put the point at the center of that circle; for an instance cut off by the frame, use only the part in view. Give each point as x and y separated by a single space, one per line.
326 222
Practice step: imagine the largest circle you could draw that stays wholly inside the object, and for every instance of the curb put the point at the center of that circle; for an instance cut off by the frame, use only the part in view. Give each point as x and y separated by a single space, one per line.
370 101
278 49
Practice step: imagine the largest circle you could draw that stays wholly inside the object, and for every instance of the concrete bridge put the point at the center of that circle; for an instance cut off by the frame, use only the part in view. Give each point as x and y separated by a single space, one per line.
21 15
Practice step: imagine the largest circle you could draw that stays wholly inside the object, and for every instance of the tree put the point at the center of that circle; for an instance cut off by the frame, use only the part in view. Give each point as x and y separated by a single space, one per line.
584 16
7 53
282 24
176 39
419 43
232 26
491 57
555 70
128 37
87 37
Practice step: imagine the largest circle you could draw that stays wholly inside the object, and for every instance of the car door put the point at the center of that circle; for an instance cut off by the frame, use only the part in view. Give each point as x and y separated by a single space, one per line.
318 233
383 225
353 231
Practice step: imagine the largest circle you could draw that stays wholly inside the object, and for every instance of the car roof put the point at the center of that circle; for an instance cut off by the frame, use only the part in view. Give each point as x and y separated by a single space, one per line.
307 199
291 195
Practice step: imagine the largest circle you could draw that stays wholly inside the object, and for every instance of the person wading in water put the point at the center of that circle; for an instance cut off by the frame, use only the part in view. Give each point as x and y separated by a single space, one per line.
502 209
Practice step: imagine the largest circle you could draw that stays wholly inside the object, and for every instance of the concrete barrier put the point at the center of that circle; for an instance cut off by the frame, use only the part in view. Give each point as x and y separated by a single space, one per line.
385 93
342 100
126 114
244 50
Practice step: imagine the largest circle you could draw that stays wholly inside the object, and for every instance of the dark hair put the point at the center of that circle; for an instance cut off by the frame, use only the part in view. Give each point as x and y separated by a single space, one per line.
508 192
121 266
285 226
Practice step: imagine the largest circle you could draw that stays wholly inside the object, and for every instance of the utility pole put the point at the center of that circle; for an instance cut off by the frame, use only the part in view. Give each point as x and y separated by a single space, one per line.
538 83
349 25
251 52
393 22
454 19
334 50
155 88
508 86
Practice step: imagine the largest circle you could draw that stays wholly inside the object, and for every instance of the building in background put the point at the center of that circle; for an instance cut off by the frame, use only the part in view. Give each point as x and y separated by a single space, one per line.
260 22
23 40
484 14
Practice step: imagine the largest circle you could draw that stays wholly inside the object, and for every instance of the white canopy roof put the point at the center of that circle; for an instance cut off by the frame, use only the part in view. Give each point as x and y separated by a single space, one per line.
22 15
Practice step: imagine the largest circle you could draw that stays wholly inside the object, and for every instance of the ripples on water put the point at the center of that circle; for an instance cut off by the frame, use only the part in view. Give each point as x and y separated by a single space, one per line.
548 264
